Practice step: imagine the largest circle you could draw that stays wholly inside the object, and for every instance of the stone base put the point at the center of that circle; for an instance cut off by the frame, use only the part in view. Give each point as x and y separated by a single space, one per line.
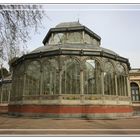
72 111
136 109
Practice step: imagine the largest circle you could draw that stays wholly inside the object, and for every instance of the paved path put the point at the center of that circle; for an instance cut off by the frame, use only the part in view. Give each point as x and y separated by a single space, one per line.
46 126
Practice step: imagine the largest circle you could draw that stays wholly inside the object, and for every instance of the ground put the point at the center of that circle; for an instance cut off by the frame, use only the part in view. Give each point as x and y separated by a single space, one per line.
10 125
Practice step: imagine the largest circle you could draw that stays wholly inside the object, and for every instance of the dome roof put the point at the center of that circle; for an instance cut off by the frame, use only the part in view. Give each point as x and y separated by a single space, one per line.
81 48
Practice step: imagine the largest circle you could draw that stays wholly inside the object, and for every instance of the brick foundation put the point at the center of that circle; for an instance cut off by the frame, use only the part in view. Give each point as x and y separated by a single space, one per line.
71 110
3 108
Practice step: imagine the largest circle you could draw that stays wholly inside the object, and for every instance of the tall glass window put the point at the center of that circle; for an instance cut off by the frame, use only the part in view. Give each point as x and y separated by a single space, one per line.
109 79
50 78
71 77
33 79
135 95
121 80
6 92
17 81
92 77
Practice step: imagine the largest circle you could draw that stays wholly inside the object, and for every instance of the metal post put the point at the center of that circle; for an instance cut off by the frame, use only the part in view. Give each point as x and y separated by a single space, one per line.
82 85
102 86
41 82
41 86
50 88
9 96
24 83
1 94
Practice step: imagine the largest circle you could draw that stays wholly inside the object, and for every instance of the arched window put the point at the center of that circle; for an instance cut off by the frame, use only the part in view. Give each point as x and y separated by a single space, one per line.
121 80
71 77
92 77
135 95
109 79
32 86
50 77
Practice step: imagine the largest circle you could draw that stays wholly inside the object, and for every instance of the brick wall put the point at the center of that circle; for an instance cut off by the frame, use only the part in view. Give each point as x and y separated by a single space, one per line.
69 109
3 108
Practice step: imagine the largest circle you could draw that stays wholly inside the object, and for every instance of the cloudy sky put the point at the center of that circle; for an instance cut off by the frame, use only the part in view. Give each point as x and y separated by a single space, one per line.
117 25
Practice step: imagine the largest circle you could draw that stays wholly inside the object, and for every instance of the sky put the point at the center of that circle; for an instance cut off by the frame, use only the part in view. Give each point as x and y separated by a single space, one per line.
118 26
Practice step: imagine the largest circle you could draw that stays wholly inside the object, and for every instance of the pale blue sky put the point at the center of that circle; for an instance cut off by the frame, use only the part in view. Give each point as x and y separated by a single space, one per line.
117 25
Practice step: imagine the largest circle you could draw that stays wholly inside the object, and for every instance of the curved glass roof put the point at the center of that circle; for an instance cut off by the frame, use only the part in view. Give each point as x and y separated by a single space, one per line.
87 45
71 46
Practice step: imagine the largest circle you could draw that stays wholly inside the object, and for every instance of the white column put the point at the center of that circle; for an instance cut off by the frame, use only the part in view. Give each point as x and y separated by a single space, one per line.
50 89
102 87
81 83
60 85
83 36
125 85
128 87
41 82
116 89
116 86
24 82
102 83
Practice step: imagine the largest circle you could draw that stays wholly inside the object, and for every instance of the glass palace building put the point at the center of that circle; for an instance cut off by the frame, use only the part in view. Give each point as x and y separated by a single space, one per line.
71 76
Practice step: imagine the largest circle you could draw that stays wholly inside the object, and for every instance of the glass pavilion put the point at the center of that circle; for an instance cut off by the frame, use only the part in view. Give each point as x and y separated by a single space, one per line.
71 76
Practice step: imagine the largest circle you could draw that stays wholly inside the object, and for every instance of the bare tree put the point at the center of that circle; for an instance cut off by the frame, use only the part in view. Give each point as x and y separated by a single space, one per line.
16 23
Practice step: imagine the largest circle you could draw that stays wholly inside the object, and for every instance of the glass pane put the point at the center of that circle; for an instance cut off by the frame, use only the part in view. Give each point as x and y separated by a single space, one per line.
109 79
133 98
95 42
50 77
133 91
71 77
33 78
57 38
109 67
137 98
92 77
136 92
74 37
87 39
17 81
120 69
